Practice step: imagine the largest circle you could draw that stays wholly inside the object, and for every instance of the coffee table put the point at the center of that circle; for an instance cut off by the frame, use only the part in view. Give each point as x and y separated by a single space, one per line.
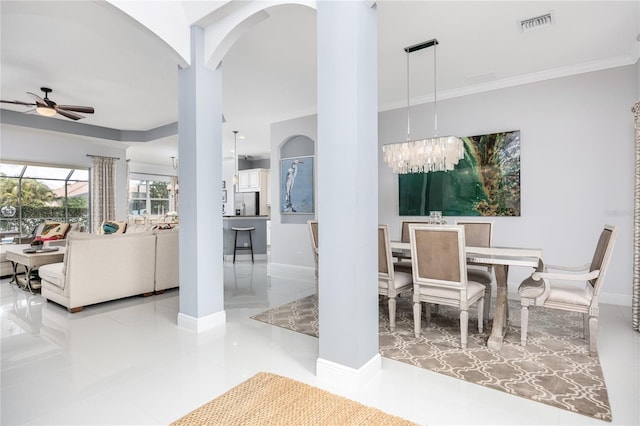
30 262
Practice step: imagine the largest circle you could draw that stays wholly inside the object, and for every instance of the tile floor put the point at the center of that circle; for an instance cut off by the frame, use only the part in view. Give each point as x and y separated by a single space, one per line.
126 362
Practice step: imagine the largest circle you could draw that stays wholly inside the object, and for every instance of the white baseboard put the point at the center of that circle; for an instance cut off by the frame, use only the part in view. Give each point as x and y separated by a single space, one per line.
331 372
202 323
244 257
283 269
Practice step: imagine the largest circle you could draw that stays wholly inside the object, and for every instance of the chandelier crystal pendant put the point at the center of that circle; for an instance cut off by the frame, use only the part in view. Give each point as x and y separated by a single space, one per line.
439 153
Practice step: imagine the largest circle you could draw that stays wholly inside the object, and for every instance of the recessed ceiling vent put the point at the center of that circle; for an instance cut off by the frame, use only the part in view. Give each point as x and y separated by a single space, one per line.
537 22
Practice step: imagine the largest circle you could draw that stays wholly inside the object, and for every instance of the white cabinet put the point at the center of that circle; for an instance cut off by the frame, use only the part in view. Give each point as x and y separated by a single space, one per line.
252 180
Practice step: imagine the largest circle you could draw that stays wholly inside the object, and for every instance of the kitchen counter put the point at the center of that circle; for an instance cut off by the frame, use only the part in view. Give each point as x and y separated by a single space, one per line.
245 217
258 237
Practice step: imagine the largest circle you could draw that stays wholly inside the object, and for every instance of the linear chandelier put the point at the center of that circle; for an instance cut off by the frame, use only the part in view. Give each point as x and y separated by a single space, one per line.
439 153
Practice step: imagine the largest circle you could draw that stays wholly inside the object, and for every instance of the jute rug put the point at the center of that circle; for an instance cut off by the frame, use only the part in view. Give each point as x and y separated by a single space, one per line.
269 399
554 368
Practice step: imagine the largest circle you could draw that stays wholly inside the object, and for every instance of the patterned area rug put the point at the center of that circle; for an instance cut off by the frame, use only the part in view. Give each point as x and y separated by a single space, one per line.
554 368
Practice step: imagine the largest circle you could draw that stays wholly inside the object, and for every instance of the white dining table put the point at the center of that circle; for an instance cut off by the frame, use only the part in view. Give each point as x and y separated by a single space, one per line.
500 258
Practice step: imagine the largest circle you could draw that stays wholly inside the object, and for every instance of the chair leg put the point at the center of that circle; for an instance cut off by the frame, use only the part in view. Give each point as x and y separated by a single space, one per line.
427 311
481 310
392 313
524 323
593 336
417 318
585 327
235 246
251 246
464 328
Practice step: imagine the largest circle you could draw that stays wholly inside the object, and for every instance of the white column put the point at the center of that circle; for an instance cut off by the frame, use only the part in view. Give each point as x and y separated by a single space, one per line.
347 190
200 176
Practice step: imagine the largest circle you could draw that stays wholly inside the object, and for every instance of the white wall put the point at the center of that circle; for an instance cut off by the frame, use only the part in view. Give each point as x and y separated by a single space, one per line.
577 167
40 146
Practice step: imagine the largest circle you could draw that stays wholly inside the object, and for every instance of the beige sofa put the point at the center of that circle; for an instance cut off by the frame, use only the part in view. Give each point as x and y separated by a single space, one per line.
100 268
6 269
167 274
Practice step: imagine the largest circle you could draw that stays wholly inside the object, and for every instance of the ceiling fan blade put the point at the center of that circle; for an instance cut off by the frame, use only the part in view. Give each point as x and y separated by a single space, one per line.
76 108
18 103
38 99
68 114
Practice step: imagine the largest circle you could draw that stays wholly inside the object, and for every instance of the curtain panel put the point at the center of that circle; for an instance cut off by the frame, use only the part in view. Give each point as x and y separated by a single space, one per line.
636 224
103 191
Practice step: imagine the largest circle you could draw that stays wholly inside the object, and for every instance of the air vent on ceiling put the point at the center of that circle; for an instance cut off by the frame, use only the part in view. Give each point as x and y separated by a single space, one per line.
537 22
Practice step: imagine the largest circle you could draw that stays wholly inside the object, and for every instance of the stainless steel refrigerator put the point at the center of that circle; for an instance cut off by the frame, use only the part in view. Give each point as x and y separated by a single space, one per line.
247 203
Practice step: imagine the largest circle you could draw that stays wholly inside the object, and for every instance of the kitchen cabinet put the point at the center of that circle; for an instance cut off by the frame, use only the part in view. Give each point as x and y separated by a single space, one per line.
252 180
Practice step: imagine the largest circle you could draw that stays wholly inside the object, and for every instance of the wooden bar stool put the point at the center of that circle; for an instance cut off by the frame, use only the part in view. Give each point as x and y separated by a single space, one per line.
235 242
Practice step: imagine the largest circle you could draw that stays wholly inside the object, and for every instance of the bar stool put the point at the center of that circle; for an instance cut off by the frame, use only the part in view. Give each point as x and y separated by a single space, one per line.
235 242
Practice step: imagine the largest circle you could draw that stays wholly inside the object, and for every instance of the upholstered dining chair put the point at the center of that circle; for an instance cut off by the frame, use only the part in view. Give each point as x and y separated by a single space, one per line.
479 234
574 289
313 234
390 282
403 262
439 268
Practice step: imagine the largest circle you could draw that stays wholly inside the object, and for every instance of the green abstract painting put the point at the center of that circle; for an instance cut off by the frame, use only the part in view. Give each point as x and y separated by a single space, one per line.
486 182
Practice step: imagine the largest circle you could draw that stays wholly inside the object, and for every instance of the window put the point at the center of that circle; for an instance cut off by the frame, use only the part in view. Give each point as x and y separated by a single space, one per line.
31 194
149 196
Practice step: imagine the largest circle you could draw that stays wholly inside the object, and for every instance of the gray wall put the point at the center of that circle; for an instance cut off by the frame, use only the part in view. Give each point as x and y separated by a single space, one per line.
290 242
577 167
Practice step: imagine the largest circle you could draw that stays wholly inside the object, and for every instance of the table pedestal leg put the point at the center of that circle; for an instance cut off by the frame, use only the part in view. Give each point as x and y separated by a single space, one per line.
502 309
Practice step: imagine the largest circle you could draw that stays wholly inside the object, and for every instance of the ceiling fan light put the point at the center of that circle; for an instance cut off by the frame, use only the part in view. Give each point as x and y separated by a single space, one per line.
46 111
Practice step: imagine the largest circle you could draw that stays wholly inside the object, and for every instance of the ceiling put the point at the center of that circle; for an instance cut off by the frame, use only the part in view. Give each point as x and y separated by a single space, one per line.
90 53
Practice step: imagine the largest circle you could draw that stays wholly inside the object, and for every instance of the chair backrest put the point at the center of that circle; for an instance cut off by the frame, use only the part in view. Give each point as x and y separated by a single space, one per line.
313 230
602 256
313 233
404 228
385 260
438 255
477 233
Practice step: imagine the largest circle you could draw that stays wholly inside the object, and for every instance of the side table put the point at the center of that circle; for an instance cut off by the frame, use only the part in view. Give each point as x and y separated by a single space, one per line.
30 262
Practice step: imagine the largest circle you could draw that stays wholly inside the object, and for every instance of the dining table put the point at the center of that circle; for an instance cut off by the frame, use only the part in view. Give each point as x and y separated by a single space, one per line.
500 258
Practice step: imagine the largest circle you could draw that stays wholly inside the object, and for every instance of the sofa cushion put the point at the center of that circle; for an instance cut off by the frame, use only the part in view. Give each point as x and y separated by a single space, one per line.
112 227
52 273
138 227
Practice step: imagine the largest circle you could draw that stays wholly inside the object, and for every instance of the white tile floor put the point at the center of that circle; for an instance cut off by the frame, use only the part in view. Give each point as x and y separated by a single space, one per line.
126 362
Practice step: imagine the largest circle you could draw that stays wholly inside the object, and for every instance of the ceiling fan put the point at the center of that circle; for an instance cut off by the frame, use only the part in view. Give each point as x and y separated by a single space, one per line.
49 108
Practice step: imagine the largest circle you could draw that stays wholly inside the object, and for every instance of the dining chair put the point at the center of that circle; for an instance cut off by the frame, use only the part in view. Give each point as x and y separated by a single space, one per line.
403 262
313 233
440 274
390 282
480 234
574 289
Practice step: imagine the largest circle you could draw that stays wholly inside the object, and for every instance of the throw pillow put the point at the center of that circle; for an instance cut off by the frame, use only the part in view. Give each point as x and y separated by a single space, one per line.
53 231
110 227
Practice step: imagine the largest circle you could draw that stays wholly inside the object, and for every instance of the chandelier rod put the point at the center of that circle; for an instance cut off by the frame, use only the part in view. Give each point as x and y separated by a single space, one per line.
415 48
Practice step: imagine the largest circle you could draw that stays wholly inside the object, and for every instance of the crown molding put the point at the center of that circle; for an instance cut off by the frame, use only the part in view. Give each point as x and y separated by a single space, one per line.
587 67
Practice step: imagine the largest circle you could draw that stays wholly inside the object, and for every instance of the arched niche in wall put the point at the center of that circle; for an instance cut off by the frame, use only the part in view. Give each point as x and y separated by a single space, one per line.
296 180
